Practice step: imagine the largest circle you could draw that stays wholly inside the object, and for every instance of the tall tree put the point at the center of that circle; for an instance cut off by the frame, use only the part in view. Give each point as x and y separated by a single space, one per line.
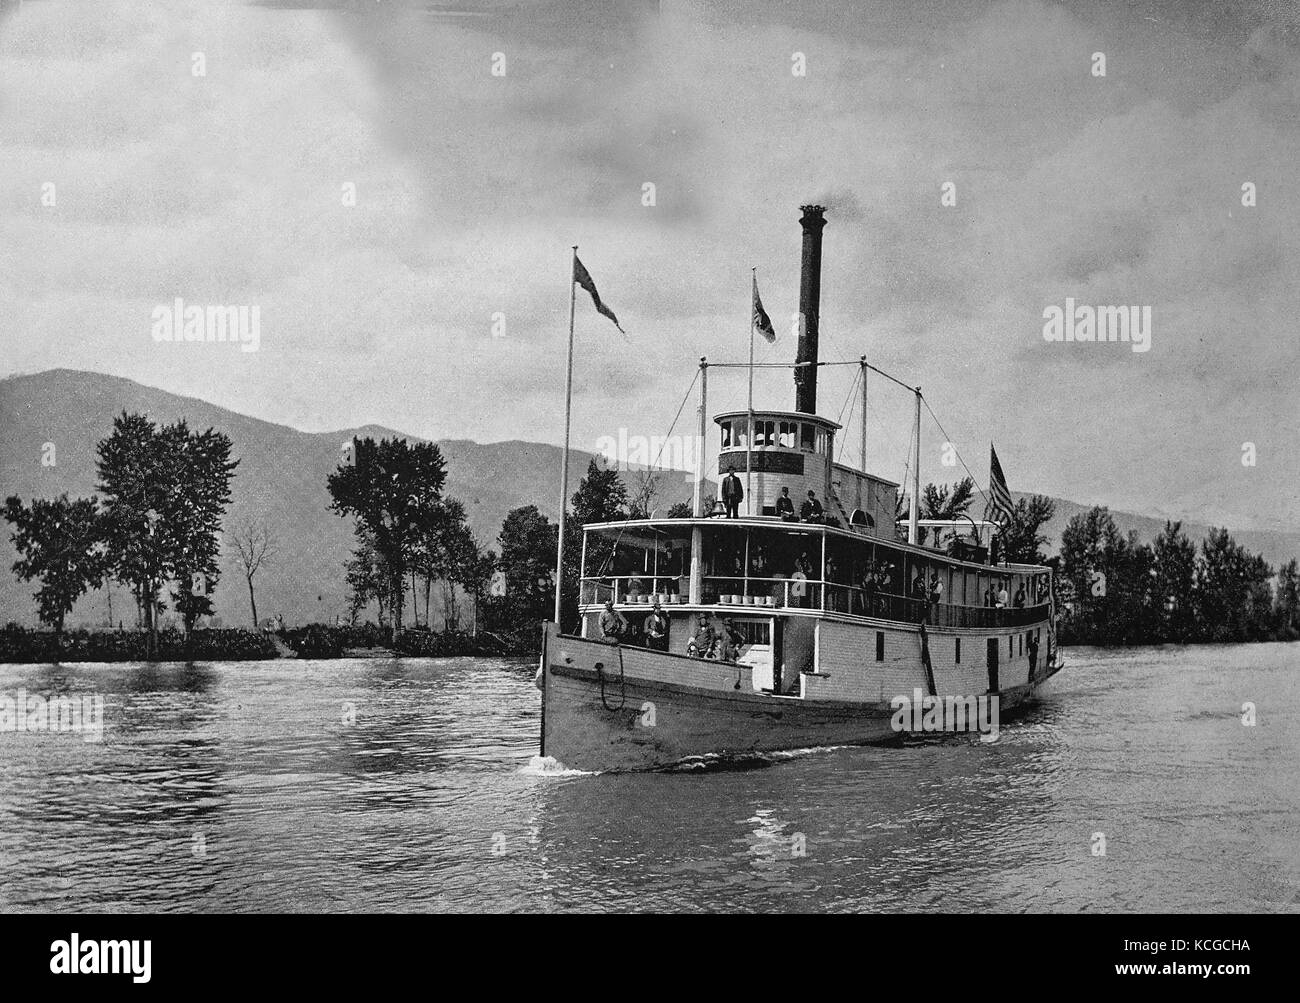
58 541
391 488
192 517
254 546
1174 589
165 491
1288 602
527 540
1022 537
601 497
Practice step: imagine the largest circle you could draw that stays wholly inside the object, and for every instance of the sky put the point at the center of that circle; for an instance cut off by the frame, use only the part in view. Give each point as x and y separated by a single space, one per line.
436 301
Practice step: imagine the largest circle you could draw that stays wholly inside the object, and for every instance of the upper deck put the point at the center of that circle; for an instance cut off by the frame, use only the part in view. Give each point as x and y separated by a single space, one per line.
766 564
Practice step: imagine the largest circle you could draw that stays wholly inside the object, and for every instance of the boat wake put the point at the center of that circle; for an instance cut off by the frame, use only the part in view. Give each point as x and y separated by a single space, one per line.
738 761
549 766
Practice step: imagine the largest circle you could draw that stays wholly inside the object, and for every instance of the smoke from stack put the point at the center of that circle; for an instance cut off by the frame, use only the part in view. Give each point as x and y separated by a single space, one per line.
810 294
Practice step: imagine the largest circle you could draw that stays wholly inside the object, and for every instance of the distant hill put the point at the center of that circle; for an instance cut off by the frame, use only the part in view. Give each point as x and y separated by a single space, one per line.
281 479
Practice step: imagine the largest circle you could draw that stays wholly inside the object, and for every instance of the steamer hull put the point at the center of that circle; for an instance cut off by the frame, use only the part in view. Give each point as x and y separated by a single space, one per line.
620 708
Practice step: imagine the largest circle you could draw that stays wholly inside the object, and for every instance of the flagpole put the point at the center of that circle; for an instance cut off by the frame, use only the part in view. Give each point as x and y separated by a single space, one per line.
749 443
564 465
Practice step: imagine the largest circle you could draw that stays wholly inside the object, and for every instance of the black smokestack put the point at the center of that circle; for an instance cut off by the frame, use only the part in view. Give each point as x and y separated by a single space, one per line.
810 295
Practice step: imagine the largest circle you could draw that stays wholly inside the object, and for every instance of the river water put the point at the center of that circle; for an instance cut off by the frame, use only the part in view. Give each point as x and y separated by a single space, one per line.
414 785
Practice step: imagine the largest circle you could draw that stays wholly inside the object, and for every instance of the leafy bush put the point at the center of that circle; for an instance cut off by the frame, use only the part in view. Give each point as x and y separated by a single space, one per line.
18 644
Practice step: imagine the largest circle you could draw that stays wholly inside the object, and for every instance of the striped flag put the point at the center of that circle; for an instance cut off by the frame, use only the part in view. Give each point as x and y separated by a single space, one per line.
762 323
583 278
999 496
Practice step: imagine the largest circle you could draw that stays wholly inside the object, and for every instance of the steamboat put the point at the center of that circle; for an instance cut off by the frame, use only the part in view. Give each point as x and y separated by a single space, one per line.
774 631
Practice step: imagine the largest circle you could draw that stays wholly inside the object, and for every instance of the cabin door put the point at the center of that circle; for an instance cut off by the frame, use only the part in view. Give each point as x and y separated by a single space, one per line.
993 664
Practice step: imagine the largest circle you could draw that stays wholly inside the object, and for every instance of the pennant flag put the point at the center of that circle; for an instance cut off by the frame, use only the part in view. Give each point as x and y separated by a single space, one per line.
999 496
762 323
583 278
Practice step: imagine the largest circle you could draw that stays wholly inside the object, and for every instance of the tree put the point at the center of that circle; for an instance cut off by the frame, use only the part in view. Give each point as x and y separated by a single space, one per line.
1022 541
165 491
254 545
1174 589
938 503
392 488
680 510
1229 589
59 541
192 518
527 540
366 577
601 497
1288 602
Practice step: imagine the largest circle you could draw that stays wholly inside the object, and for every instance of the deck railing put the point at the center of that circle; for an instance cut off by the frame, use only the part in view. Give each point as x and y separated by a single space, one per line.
792 593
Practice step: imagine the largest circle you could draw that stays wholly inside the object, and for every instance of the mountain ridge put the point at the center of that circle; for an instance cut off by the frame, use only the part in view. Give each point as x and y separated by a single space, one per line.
281 479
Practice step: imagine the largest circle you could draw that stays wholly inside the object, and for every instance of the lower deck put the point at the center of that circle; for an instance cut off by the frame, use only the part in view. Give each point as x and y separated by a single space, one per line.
825 656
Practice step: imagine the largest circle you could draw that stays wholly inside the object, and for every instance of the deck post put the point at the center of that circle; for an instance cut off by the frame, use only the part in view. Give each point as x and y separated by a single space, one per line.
916 475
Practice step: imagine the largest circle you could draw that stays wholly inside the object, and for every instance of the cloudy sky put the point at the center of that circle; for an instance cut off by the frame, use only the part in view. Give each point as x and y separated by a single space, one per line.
227 188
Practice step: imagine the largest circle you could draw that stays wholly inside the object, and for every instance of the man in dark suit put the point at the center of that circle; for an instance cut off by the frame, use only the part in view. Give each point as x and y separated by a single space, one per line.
812 508
732 493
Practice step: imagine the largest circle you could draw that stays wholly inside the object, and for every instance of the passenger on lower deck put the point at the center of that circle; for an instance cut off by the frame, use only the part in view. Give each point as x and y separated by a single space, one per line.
613 625
701 645
656 629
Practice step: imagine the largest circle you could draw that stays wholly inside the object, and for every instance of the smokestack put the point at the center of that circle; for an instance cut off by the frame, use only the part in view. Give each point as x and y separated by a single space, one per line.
810 294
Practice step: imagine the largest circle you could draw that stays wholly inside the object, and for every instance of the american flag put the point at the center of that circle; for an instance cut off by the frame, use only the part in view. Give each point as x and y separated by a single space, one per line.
999 497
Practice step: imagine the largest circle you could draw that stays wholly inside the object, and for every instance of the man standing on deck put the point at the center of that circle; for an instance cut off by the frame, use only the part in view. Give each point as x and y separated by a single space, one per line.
732 493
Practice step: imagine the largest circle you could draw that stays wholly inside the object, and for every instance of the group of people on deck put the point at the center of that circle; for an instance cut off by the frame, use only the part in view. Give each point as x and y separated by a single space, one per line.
733 493
721 645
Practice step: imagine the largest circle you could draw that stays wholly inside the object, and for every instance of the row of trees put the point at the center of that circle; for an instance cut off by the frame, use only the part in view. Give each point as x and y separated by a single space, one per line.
1122 591
409 535
155 523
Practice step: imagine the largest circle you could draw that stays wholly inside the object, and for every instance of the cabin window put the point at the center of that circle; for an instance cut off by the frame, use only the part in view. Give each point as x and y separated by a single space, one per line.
754 631
789 431
726 435
807 437
880 646
1022 646
959 651
1011 647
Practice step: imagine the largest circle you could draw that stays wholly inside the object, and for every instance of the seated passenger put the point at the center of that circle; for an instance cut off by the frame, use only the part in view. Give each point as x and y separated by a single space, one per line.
785 506
701 645
731 640
613 625
812 509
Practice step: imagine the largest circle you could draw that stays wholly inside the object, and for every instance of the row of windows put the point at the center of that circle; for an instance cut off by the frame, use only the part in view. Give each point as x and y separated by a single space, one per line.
1011 644
782 434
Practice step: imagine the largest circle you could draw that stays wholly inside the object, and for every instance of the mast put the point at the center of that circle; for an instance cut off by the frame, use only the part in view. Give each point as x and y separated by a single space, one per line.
699 439
697 535
749 442
916 474
564 465
863 363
